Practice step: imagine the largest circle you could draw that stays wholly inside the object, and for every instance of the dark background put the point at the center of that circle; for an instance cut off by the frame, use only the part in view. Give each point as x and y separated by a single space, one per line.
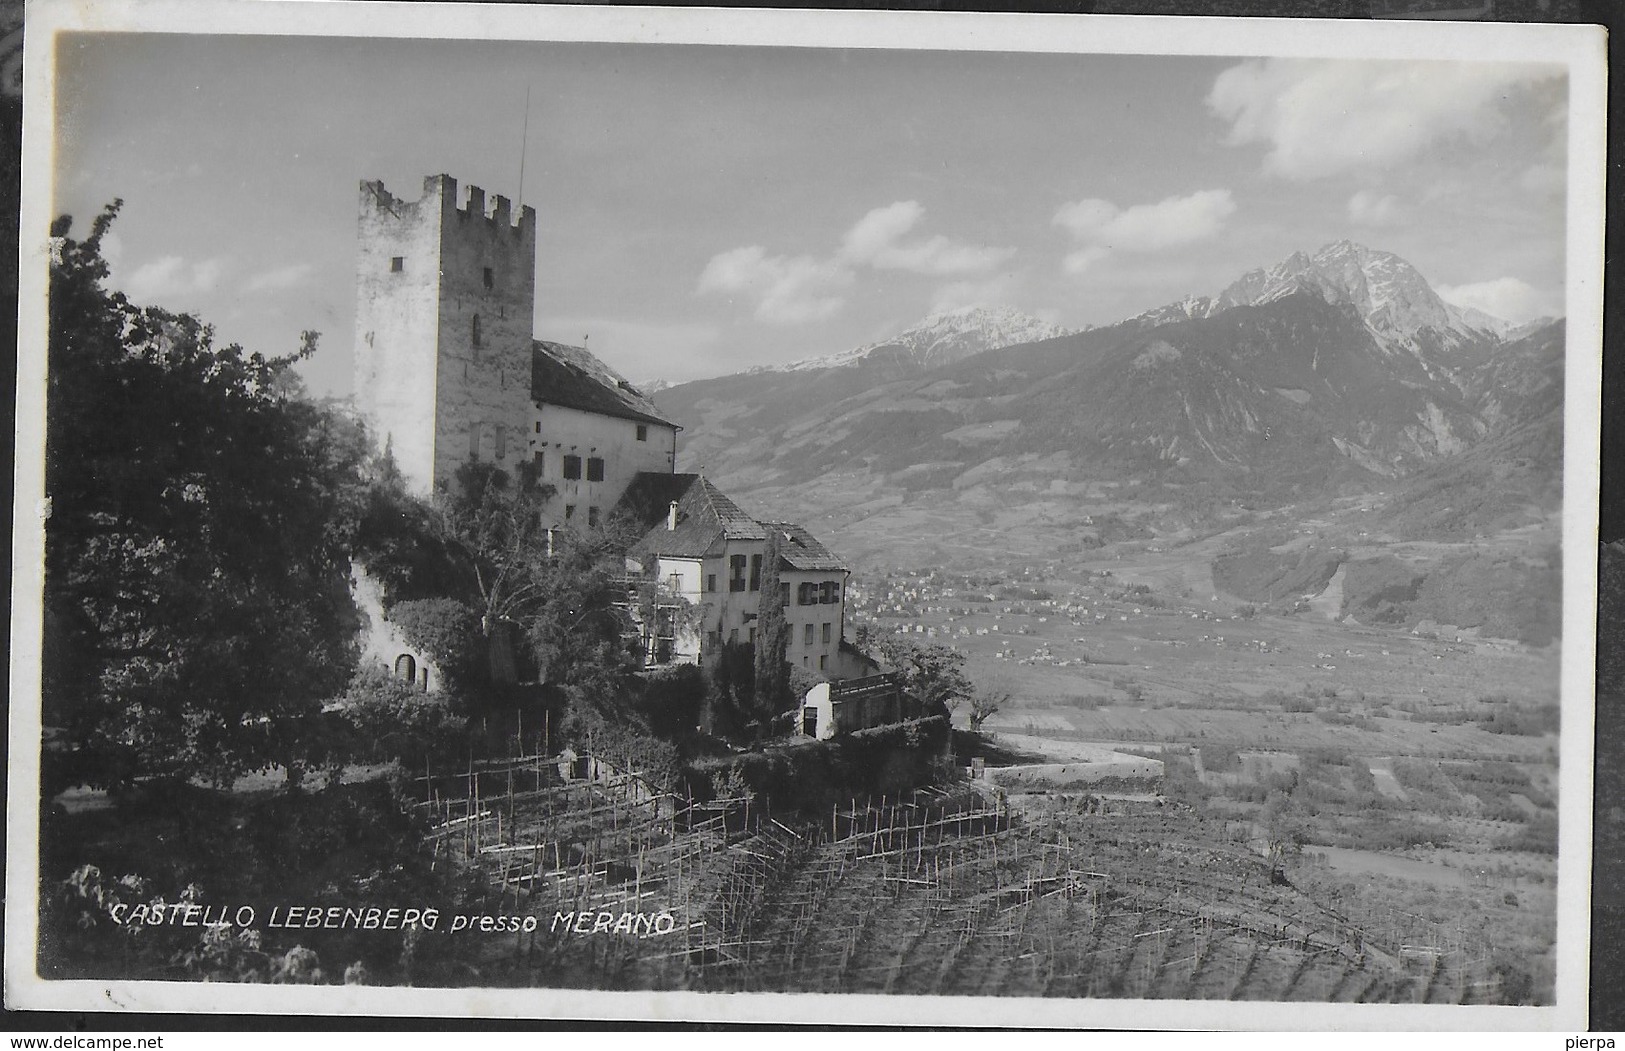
1608 877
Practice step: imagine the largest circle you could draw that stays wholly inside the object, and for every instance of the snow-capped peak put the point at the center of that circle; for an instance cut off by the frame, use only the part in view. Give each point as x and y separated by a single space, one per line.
1393 299
939 339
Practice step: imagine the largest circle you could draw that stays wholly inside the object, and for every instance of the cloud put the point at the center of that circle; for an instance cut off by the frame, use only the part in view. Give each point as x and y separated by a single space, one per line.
789 290
170 277
794 289
1102 227
1367 209
1508 298
873 241
1321 118
276 280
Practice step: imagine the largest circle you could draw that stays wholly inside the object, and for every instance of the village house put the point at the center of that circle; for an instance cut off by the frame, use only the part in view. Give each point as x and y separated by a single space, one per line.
707 552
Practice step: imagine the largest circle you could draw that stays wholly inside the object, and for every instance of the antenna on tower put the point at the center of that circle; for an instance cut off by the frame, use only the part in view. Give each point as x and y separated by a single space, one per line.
524 148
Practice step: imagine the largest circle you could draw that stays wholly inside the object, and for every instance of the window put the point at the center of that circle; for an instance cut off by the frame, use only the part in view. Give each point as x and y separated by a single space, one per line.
710 582
826 633
502 443
406 667
397 264
540 459
736 572
572 467
490 278
473 441
751 632
829 591
569 511
807 636
733 634
643 432
474 333
823 661
804 594
592 517
595 468
538 426
756 572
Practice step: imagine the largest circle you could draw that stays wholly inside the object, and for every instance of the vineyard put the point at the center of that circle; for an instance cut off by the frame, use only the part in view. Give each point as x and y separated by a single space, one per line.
942 892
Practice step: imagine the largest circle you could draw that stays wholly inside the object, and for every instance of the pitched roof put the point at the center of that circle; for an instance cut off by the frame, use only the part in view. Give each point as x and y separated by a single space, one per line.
648 498
573 378
799 549
705 519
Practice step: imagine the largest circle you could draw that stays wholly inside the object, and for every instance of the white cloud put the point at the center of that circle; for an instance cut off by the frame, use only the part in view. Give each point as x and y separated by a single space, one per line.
1102 227
873 240
1368 209
789 290
1321 117
282 277
1509 298
170 277
879 230
794 289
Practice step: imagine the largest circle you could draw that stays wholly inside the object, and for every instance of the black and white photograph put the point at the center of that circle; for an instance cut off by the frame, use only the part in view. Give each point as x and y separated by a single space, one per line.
962 519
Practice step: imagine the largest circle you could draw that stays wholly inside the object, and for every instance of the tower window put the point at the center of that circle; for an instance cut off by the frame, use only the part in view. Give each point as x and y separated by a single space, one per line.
490 278
397 264
595 468
643 432
572 467
475 333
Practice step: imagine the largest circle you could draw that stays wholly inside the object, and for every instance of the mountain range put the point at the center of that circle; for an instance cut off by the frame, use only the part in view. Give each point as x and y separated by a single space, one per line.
1332 372
939 339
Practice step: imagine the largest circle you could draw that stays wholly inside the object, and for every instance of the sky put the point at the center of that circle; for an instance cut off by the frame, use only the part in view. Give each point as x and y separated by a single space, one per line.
707 209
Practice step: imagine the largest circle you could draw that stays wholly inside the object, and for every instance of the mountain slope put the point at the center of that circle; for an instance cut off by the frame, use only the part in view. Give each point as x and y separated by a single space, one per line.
1341 372
1391 297
937 340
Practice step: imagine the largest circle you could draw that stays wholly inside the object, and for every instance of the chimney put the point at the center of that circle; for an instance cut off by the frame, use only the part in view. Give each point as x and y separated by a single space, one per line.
671 517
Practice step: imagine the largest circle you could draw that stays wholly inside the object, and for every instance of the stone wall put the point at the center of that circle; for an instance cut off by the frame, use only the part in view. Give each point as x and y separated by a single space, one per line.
434 391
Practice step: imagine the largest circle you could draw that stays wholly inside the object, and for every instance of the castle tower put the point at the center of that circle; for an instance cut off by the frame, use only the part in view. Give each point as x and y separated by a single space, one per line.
445 301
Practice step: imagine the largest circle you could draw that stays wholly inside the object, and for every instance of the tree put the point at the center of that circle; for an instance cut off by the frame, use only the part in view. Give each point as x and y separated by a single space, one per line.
985 702
772 636
197 603
935 674
576 620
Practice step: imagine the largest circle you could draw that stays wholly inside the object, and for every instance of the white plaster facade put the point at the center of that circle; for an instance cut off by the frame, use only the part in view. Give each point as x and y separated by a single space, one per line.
604 453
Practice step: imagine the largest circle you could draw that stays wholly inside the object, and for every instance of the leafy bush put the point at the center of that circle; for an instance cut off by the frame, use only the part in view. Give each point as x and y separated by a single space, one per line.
393 719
